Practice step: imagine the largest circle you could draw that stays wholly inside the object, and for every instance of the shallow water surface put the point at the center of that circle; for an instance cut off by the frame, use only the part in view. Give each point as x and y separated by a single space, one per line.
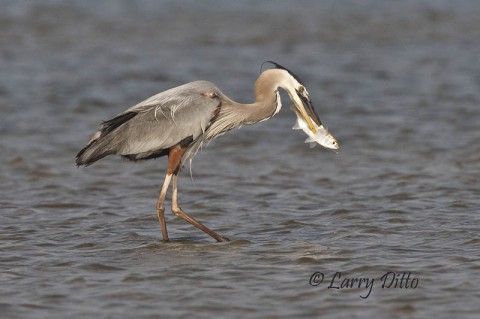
397 84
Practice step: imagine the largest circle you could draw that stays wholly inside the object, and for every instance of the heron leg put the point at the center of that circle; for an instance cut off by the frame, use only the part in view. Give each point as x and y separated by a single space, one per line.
180 213
161 206
174 160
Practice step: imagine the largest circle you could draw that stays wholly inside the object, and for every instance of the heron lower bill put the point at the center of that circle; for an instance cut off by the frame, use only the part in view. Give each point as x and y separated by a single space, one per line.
177 122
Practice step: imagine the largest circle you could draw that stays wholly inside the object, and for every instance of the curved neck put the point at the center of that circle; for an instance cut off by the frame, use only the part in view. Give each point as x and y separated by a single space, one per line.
234 115
267 99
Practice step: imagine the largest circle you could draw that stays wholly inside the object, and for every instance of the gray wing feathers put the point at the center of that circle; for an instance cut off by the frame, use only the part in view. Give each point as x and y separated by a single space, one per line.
162 127
159 122
175 98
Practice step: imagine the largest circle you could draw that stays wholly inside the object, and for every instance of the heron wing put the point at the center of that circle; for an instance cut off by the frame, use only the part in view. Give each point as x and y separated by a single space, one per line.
176 116
147 130
173 99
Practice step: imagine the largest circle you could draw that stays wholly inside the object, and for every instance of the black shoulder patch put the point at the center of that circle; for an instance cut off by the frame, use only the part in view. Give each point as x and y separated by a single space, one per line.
186 141
158 153
112 124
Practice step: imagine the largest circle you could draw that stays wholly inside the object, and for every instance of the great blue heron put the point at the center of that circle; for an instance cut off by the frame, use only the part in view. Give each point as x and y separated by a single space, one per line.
178 121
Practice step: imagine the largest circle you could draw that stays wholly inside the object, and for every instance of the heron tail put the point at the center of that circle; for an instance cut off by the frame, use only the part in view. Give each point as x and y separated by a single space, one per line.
100 145
95 150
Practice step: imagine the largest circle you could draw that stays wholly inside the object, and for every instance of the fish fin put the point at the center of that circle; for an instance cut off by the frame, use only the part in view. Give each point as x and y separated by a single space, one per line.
312 145
297 125
309 140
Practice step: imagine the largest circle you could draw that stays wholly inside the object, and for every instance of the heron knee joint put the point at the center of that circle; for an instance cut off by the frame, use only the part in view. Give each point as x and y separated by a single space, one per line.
177 211
160 207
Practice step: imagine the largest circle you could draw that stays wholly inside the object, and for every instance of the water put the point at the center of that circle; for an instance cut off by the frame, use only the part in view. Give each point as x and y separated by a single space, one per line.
396 82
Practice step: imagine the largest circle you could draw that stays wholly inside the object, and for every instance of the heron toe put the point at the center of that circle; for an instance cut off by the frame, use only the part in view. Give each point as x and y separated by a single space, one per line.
223 239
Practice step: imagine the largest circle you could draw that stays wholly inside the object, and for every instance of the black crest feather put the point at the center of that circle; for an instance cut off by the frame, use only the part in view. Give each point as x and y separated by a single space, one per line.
278 66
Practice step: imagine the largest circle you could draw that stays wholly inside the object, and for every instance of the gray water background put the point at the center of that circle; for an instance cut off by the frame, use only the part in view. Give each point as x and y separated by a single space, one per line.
398 84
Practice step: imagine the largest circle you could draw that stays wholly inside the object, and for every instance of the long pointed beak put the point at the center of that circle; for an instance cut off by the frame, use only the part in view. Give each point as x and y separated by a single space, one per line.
309 121
306 110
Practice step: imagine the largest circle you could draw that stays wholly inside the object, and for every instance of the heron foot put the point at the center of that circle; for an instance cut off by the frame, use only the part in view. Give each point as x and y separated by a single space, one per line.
223 239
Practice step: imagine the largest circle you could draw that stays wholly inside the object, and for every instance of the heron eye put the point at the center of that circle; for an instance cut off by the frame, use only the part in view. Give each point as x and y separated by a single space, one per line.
301 89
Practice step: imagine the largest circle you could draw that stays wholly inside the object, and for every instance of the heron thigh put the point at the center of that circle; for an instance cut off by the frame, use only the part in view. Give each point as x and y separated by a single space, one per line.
175 159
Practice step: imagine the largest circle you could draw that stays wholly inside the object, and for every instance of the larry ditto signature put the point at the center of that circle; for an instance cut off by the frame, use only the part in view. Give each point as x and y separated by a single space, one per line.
389 280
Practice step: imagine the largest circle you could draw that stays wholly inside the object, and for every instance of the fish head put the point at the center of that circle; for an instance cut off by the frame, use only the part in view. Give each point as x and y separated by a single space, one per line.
326 139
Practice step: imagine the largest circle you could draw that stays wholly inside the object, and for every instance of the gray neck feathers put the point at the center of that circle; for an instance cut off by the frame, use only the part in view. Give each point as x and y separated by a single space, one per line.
233 115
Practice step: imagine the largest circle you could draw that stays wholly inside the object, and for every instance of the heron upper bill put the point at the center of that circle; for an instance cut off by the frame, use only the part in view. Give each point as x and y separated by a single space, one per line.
306 116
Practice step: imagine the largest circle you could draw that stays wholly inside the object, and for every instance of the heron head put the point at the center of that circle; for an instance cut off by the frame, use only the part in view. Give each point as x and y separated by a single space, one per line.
308 119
